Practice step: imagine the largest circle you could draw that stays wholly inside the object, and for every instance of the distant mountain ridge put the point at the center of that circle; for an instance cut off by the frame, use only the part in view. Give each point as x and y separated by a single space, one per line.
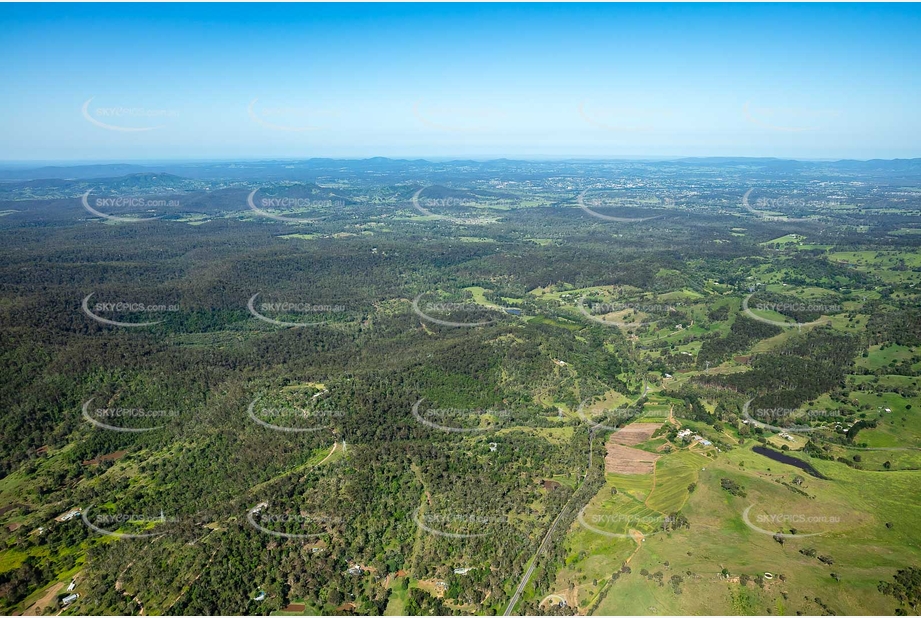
136 183
308 170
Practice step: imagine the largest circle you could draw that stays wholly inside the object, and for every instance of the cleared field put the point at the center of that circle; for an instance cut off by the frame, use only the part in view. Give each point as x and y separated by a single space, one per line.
396 605
885 259
673 475
625 460
653 413
621 514
899 428
637 485
595 551
879 357
634 433
864 548
611 400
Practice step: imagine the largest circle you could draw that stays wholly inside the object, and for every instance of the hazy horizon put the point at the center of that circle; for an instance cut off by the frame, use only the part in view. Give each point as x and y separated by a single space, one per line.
431 159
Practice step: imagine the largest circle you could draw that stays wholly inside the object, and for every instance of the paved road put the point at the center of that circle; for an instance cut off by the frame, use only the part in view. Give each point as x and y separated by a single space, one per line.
530 571
543 544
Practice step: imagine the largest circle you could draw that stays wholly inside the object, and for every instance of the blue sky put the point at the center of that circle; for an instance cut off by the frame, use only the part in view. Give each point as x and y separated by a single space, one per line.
249 81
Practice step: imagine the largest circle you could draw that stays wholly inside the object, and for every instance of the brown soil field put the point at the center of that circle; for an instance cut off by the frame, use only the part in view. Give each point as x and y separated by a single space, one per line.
625 460
109 457
294 607
634 433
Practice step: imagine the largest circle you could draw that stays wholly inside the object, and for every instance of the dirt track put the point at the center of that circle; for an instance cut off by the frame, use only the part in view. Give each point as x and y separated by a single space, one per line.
46 600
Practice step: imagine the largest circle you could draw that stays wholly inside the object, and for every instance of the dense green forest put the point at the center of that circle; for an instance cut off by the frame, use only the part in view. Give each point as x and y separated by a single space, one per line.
300 411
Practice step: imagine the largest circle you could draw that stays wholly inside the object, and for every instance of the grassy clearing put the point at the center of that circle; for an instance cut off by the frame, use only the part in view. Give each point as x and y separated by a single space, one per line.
864 549
674 473
879 357
396 604
638 486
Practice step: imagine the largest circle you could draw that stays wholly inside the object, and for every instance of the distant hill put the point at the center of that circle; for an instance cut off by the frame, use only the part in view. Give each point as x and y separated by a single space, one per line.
136 183
377 169
850 165
71 172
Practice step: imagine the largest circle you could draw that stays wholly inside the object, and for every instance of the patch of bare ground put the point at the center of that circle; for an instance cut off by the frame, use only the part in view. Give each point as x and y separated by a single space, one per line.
37 608
625 460
634 433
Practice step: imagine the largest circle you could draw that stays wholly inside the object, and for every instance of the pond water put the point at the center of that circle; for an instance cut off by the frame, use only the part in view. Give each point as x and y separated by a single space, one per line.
787 459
